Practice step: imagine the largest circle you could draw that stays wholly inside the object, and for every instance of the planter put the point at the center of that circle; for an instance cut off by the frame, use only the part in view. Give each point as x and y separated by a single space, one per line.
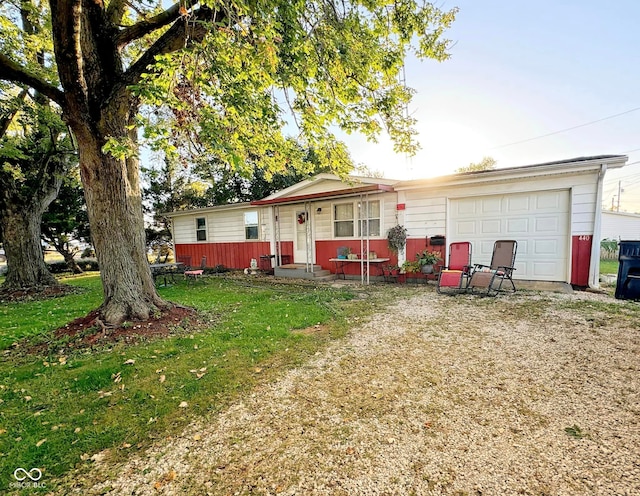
427 269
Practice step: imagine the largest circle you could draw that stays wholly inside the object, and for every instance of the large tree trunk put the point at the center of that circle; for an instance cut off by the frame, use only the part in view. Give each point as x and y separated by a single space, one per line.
114 205
21 235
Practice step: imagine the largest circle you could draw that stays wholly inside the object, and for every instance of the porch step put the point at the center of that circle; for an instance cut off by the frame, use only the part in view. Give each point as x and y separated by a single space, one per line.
299 271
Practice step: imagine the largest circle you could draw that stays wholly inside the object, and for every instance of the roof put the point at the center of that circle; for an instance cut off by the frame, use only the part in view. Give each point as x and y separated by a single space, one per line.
337 187
572 165
330 178
371 188
204 210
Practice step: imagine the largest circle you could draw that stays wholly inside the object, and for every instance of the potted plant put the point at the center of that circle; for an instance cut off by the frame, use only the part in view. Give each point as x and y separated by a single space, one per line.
397 238
343 252
410 267
390 270
426 259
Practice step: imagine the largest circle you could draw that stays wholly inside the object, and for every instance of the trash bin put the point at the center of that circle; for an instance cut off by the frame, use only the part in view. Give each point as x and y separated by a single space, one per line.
628 285
265 264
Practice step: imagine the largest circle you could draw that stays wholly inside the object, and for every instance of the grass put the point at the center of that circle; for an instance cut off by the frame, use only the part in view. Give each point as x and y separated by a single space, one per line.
59 410
608 266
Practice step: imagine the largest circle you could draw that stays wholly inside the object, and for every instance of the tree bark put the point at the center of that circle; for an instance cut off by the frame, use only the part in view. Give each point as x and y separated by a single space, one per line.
114 204
25 262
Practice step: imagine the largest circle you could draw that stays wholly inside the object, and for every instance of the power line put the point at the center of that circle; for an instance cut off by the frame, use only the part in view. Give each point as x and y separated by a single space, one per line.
567 129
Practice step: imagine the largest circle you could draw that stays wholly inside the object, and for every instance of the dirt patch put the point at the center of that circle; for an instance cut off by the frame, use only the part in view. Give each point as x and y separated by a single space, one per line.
89 331
36 293
314 329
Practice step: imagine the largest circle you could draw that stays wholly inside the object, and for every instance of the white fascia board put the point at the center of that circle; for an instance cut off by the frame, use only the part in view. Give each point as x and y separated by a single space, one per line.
525 172
217 208
351 180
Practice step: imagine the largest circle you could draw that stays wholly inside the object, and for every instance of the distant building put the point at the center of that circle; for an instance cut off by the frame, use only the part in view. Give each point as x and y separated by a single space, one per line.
620 225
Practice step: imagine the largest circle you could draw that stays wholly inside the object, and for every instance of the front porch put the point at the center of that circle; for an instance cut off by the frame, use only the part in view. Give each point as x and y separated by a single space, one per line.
304 271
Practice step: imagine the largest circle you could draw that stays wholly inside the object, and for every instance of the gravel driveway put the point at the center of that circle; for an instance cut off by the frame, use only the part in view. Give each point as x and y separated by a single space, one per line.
523 394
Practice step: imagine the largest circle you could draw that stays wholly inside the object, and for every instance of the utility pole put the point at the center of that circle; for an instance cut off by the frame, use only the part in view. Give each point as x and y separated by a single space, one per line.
620 190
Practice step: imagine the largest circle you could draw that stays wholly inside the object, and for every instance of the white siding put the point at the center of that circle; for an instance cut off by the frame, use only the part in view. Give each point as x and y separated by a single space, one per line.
184 228
426 210
616 225
223 226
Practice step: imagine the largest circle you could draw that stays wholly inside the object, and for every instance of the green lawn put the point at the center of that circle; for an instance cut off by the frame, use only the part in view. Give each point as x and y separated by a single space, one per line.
608 266
59 409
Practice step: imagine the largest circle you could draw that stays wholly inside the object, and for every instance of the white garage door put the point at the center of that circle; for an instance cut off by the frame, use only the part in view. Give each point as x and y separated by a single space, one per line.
538 221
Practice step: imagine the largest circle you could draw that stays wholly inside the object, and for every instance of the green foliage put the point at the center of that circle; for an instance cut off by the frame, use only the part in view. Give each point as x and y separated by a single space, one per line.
60 266
411 266
609 248
85 402
426 257
609 266
397 238
576 432
273 67
487 163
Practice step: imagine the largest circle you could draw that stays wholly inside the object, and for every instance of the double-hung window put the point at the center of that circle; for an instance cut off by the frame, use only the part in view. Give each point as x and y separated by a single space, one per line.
369 214
343 220
251 225
365 214
201 229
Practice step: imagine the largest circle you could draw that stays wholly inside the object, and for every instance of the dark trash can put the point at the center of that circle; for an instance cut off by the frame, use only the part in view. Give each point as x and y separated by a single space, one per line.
628 285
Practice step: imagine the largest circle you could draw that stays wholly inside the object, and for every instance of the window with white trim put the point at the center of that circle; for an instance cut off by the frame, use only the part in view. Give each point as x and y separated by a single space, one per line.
369 220
343 220
201 229
251 225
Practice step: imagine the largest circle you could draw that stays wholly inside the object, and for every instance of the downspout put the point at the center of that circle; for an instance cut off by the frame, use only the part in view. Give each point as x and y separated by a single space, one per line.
361 232
594 264
272 233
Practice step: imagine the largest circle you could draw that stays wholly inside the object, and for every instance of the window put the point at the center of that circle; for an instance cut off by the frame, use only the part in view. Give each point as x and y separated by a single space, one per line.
368 218
251 225
201 229
369 221
343 220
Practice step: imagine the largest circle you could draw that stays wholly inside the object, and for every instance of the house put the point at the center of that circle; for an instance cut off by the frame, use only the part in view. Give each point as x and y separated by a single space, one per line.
552 209
620 225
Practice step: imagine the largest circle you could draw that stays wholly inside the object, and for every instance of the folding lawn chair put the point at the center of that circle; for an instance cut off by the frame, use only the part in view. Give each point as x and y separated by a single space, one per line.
490 277
196 273
454 277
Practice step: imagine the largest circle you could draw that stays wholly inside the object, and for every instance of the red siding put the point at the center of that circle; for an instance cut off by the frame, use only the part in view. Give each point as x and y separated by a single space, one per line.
236 255
580 260
417 245
329 249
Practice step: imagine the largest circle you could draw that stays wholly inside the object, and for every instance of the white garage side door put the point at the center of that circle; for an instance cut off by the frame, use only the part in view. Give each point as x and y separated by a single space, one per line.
538 221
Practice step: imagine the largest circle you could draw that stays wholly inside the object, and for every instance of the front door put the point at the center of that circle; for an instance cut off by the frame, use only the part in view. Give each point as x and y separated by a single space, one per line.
302 241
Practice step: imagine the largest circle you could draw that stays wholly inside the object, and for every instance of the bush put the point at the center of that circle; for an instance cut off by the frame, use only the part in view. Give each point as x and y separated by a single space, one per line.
88 252
218 269
609 249
60 266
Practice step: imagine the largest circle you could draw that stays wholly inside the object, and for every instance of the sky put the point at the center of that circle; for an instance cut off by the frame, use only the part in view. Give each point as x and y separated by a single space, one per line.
519 71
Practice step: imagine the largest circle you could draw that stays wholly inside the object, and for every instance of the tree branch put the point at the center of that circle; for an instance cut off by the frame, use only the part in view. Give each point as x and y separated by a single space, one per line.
116 10
175 38
5 120
147 26
10 71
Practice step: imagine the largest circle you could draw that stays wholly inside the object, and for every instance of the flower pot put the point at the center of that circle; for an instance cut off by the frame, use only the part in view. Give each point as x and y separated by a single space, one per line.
427 269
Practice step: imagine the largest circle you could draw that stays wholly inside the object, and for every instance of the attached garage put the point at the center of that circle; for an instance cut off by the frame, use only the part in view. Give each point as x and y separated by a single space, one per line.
539 221
552 210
